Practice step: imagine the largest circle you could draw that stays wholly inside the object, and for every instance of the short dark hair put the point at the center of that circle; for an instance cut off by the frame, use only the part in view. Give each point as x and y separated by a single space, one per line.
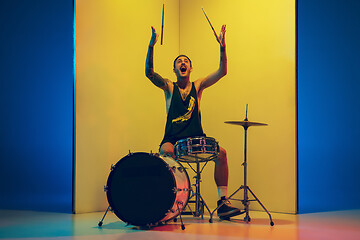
182 56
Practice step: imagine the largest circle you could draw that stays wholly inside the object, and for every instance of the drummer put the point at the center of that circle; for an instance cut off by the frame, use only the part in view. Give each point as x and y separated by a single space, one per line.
183 111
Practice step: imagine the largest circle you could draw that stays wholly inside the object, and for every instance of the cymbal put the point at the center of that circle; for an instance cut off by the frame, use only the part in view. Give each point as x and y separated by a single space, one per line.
245 123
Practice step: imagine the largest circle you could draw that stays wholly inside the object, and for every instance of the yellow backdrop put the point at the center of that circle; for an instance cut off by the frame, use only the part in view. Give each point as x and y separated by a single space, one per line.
118 109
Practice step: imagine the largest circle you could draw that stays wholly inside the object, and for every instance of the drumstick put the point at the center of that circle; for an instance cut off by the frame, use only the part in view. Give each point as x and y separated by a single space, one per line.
217 38
162 25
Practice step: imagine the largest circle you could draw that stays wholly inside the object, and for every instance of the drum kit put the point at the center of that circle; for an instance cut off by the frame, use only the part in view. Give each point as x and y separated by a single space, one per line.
148 190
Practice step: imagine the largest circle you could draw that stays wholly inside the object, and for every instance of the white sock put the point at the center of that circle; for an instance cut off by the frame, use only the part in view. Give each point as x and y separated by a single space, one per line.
222 190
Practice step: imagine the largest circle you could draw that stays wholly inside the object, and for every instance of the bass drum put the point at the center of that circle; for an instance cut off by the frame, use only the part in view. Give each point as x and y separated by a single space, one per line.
145 189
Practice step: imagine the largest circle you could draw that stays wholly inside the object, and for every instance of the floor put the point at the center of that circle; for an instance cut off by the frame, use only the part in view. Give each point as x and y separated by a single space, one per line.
28 225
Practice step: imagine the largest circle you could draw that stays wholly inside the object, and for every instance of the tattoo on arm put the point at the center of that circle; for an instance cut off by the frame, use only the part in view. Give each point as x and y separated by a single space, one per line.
158 80
154 77
223 60
149 60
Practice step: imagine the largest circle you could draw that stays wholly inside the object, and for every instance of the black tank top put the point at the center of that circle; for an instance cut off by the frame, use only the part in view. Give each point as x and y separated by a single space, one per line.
183 118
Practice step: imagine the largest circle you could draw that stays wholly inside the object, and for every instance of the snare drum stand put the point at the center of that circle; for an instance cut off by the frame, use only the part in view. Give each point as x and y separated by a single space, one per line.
246 124
199 201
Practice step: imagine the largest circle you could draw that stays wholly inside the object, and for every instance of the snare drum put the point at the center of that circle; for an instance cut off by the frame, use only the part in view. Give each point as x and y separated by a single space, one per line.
145 189
196 149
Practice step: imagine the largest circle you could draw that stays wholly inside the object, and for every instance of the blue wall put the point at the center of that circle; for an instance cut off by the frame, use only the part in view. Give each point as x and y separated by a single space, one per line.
328 105
36 102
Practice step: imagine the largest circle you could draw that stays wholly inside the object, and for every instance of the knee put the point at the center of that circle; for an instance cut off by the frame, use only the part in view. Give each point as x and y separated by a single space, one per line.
167 149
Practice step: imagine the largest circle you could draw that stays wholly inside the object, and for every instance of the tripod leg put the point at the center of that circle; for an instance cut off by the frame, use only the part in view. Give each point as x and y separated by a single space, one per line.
197 191
247 218
271 221
182 224
204 204
101 222
197 204
192 211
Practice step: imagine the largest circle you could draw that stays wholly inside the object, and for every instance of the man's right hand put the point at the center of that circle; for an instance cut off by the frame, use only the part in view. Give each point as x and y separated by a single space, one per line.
154 37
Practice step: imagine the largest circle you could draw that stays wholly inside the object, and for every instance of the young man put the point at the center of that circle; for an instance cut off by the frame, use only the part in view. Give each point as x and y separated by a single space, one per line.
183 112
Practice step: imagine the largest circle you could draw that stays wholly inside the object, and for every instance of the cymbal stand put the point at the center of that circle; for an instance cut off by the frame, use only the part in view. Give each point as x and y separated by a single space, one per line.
245 187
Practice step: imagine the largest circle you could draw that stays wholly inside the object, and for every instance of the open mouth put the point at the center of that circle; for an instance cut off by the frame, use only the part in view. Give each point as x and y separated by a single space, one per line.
183 69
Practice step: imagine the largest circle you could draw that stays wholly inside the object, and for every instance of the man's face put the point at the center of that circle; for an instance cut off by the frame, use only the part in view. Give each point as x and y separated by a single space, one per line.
182 67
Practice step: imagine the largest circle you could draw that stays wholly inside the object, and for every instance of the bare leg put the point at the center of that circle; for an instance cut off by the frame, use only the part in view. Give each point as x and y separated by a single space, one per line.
225 210
221 169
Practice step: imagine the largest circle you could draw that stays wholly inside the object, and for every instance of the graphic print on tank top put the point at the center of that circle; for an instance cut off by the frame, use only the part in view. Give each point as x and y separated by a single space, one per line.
189 112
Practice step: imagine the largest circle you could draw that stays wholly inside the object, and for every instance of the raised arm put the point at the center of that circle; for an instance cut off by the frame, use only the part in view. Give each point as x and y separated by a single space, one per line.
154 77
222 71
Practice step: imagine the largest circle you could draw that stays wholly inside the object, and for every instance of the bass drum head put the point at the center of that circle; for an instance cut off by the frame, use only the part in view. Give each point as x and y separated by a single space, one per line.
140 189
